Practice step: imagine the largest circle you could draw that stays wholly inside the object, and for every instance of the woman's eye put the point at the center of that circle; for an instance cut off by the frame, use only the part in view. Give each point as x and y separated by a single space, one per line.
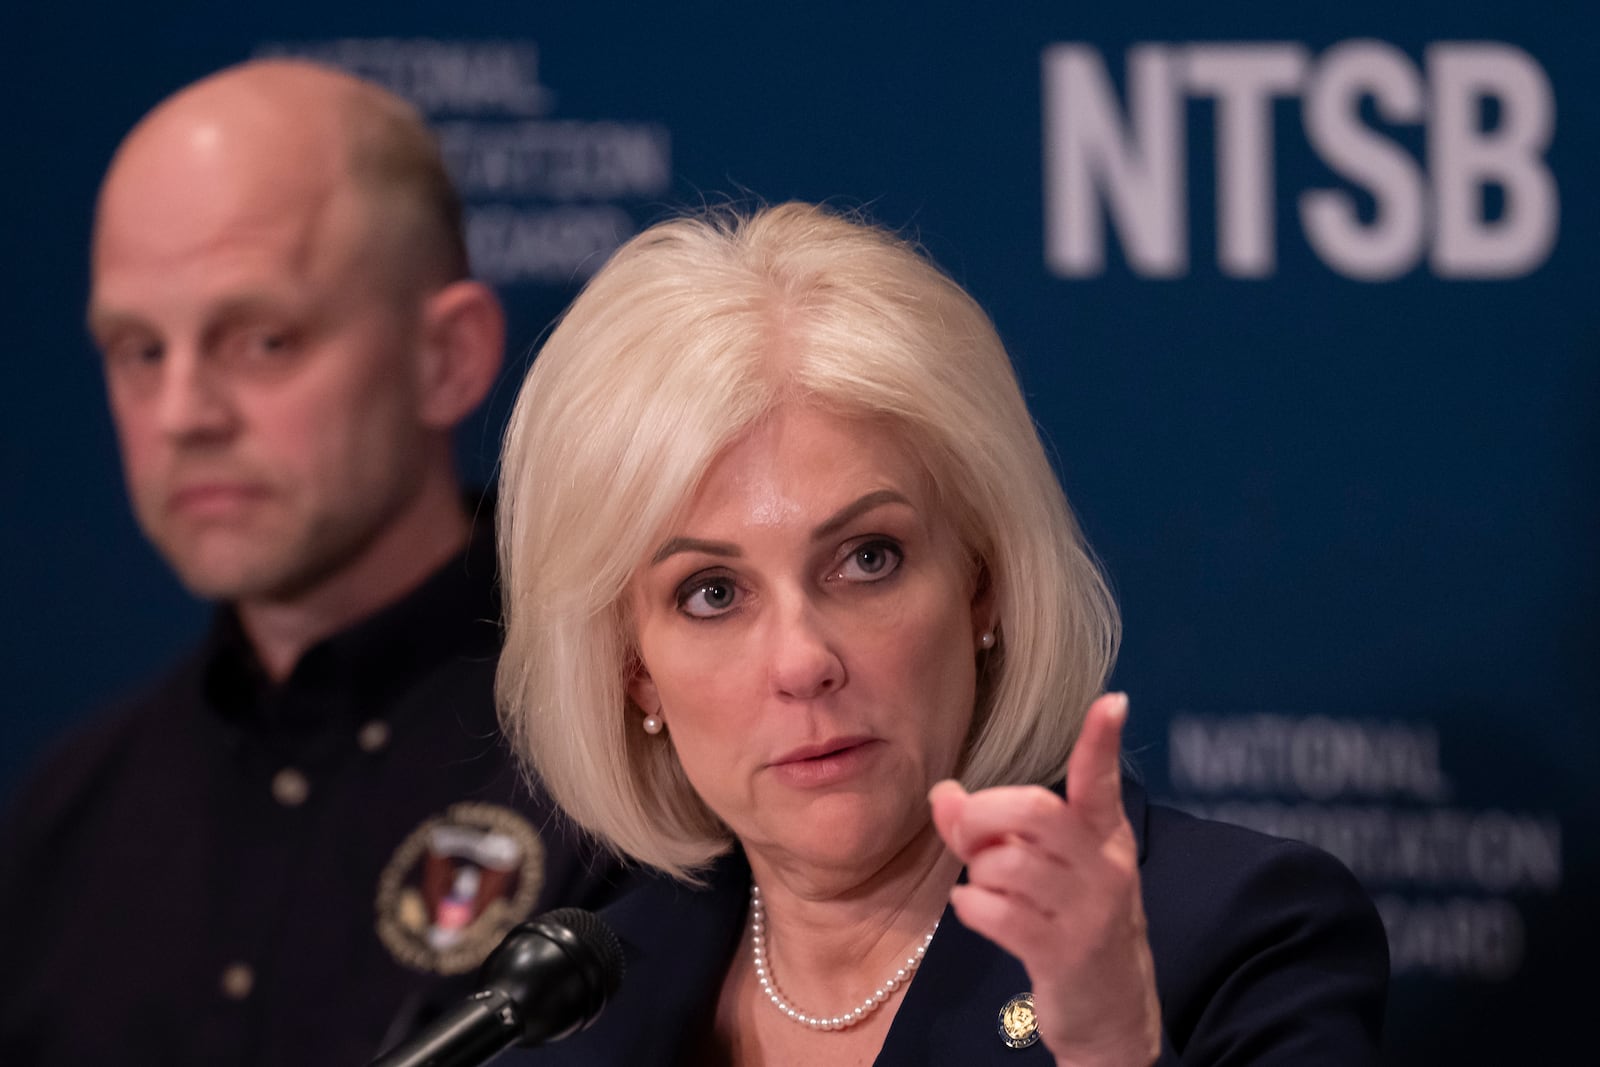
704 598
871 561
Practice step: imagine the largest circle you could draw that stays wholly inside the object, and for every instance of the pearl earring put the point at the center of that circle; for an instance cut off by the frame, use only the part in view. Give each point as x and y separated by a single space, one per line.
653 724
986 641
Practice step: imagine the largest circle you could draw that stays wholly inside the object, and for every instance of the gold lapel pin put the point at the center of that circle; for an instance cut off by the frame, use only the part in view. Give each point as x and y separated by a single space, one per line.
1019 1027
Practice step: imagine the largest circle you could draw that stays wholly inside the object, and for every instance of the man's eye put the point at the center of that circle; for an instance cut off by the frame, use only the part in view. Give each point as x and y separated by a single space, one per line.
133 362
704 598
871 561
268 343
133 352
252 345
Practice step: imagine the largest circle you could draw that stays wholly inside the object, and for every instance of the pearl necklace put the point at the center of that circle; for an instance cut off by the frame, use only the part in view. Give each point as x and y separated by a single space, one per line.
769 985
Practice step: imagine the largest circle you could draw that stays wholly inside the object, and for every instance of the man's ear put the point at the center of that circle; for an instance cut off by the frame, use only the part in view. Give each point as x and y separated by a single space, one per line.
463 344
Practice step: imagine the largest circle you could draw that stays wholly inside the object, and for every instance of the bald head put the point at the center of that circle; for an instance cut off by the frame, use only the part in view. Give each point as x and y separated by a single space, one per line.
278 288
293 139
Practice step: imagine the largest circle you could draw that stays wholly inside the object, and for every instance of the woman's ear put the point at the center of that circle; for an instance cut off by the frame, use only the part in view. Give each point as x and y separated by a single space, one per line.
984 615
463 344
642 691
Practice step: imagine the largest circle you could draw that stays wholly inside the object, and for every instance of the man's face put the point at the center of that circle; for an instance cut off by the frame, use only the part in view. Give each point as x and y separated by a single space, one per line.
259 369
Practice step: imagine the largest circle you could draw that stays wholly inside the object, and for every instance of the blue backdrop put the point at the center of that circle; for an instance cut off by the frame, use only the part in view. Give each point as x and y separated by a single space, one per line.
1304 301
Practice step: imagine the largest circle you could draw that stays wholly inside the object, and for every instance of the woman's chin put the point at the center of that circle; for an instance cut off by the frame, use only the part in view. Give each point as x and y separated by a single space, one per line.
849 835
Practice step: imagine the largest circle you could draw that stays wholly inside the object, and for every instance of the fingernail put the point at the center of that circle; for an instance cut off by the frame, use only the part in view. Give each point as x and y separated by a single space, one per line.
1119 707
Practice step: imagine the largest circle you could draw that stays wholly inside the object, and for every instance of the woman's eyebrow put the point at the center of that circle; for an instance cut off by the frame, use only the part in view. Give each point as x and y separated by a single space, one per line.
845 515
693 544
830 526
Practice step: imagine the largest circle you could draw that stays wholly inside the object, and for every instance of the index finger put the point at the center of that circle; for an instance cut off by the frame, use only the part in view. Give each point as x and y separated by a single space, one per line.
1094 770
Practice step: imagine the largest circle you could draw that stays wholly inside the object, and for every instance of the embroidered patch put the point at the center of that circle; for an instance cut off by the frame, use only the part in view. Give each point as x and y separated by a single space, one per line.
457 885
1019 1028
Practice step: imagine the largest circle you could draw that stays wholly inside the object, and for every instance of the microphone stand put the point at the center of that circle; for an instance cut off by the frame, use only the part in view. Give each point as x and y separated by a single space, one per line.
549 978
473 1032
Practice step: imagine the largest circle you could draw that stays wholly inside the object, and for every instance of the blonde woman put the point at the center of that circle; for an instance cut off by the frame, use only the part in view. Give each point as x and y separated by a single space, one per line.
798 616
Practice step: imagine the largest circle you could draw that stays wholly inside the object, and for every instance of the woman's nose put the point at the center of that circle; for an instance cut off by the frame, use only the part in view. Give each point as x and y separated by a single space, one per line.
805 658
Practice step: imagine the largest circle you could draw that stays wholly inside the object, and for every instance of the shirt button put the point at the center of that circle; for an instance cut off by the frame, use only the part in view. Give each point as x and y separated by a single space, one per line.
237 980
290 788
373 735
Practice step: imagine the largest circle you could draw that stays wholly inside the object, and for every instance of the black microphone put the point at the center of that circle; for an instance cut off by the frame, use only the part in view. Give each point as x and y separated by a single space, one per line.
549 978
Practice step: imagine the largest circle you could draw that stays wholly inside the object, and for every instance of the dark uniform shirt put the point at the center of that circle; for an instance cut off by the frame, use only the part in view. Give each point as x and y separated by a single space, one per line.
229 871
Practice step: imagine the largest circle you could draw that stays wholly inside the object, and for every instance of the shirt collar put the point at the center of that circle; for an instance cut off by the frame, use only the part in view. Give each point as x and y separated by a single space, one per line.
361 670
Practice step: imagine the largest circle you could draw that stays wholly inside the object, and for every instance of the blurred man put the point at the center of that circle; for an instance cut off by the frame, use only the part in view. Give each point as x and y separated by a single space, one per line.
303 840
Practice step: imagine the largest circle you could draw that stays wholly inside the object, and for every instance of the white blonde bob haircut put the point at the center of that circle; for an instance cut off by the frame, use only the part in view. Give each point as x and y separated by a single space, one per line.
693 332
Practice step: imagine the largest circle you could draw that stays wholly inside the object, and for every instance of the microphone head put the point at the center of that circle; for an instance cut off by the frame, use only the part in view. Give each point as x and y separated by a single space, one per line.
559 969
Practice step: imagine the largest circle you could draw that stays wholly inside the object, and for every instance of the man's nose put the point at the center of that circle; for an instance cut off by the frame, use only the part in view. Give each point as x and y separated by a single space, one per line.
194 402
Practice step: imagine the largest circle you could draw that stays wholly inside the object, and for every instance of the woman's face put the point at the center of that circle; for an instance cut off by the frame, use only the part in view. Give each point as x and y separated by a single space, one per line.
809 634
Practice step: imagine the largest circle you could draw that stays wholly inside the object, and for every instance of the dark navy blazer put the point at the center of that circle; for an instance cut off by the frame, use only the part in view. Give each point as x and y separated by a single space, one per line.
1266 952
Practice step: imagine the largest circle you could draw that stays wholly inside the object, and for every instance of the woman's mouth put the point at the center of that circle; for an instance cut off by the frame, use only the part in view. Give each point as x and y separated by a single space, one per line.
825 763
